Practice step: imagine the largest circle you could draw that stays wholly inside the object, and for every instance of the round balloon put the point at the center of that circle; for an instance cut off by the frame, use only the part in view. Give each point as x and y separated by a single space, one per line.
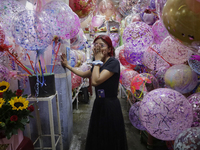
183 22
134 116
181 78
149 17
165 113
82 7
188 139
152 58
2 39
160 76
30 31
74 58
194 65
159 7
194 101
143 83
75 79
173 52
4 73
97 20
74 31
61 18
125 7
115 39
106 8
126 77
159 31
123 60
8 10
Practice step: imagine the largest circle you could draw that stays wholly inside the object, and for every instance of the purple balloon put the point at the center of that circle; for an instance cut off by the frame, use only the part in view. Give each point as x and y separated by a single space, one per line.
159 31
115 39
188 139
134 116
194 65
165 113
194 101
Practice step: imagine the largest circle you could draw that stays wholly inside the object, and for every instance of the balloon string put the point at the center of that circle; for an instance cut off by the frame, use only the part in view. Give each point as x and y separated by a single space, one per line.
31 62
160 56
56 56
52 57
19 63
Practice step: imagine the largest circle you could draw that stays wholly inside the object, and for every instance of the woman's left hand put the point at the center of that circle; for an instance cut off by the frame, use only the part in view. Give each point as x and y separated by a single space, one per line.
98 53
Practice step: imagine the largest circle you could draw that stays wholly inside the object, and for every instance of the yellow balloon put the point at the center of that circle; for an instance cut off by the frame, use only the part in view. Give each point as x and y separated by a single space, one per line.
182 20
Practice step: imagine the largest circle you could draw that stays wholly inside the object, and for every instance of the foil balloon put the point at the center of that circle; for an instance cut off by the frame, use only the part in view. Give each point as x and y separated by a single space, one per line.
149 17
173 52
183 22
61 19
159 7
134 116
31 31
152 58
75 79
106 8
126 77
97 20
181 78
165 113
82 7
8 10
188 139
194 101
143 83
122 59
159 31
194 65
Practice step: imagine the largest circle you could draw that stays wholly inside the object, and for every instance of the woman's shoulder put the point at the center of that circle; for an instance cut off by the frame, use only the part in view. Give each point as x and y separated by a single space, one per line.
113 60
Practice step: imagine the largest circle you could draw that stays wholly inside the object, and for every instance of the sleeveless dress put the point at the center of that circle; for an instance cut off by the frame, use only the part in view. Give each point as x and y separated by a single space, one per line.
106 128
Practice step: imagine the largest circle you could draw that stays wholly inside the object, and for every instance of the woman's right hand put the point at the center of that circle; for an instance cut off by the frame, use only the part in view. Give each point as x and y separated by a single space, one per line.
64 60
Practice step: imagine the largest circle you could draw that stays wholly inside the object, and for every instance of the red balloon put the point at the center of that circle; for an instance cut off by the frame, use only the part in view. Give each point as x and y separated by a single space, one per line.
75 80
2 36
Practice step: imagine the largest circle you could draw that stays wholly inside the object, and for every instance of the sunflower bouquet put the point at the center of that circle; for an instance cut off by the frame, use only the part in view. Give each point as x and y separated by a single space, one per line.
15 110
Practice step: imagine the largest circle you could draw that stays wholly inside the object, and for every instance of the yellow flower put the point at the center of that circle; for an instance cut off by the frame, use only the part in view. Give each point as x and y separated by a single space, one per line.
2 101
4 86
19 103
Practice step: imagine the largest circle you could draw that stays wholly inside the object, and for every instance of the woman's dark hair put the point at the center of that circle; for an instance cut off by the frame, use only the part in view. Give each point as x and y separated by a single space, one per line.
108 41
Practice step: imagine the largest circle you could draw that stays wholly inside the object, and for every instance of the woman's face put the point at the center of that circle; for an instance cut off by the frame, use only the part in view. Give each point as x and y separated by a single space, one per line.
102 45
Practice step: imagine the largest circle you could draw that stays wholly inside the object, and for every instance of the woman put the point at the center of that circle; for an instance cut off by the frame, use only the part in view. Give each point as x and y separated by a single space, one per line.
106 129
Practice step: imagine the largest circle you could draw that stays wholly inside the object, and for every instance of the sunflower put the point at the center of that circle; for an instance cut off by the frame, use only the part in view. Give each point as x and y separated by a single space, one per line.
4 86
19 103
2 101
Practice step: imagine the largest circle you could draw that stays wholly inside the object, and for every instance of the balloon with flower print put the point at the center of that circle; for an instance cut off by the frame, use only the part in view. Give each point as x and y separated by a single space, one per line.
76 80
82 7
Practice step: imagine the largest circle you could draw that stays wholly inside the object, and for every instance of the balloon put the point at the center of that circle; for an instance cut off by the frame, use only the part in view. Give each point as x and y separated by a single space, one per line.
159 31
74 31
106 8
86 22
165 113
173 52
181 78
194 65
82 7
75 79
194 101
2 36
78 41
143 83
134 116
159 7
123 60
61 18
74 58
152 4
136 17
183 22
126 76
97 20
160 76
148 17
115 39
117 50
152 60
4 73
188 139
30 31
84 67
8 10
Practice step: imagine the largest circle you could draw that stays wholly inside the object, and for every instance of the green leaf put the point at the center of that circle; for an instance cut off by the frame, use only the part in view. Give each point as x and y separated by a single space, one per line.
31 116
24 121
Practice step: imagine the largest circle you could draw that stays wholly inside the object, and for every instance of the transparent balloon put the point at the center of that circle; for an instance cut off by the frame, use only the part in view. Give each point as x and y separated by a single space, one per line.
106 8
115 39
153 59
183 22
2 39
194 101
97 20
160 76
30 31
188 139
159 7
173 52
74 58
194 65
126 77
134 116
143 83
8 10
78 41
165 113
148 16
75 79
181 78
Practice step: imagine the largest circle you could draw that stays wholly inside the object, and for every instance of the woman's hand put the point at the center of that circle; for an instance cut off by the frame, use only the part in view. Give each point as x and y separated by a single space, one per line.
64 60
98 53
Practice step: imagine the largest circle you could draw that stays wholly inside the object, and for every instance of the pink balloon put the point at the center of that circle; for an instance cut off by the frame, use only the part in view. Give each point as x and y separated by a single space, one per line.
173 52
97 20
126 77
136 17
159 31
106 8
75 80
165 113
